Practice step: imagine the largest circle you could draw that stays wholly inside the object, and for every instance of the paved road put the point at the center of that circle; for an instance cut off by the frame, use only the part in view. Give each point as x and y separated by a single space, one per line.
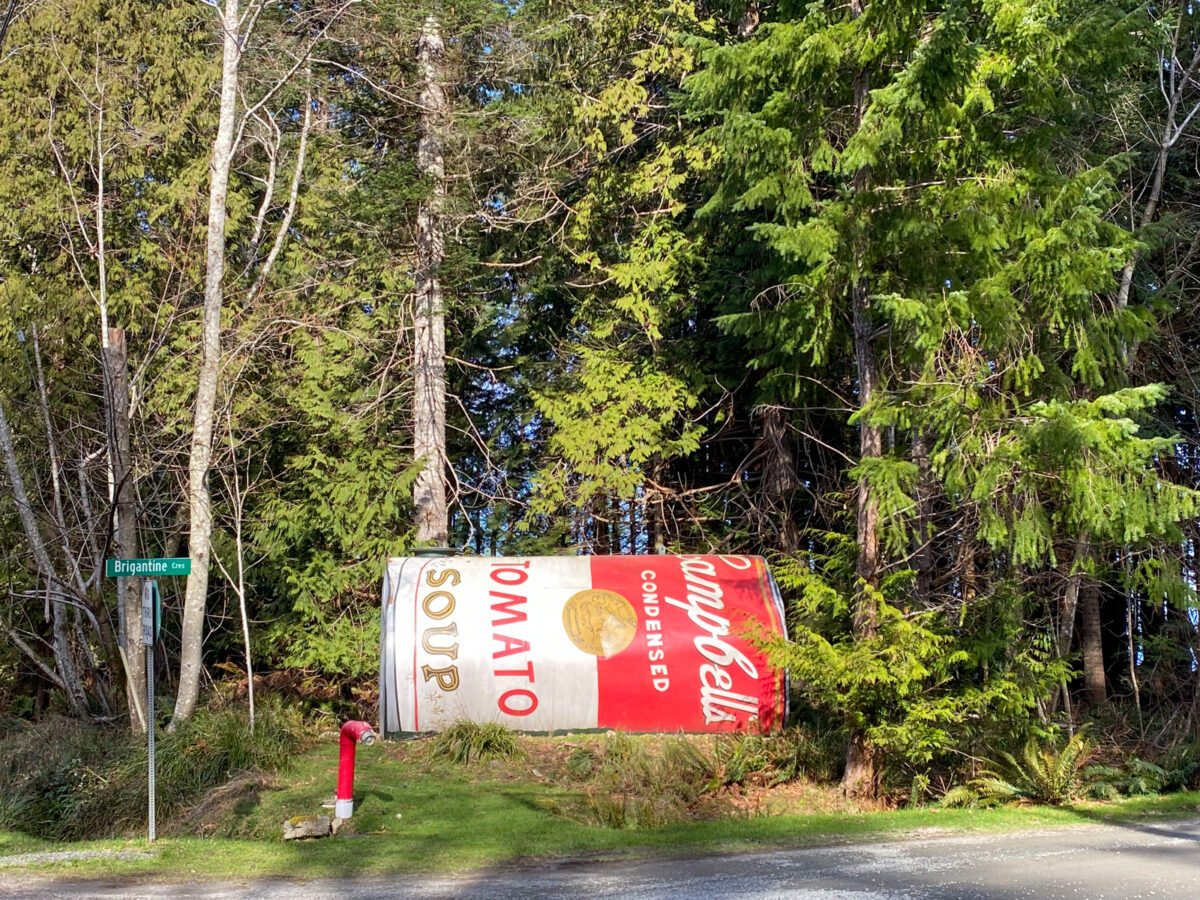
1082 863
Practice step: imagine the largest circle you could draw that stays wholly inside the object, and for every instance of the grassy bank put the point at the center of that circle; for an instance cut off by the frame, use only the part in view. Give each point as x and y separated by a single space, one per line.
418 813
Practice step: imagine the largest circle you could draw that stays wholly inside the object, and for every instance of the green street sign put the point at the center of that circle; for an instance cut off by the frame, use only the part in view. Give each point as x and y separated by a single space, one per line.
123 568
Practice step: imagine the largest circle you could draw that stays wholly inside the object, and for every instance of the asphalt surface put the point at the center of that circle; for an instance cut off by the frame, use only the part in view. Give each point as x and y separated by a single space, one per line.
1093 862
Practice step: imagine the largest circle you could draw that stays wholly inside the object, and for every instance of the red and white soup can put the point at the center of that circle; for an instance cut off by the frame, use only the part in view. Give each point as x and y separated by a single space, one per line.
637 643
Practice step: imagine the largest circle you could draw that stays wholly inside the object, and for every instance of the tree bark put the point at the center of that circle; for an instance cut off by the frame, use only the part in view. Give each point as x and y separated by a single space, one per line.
863 764
1195 710
1090 636
64 657
92 597
863 760
656 511
601 529
923 558
200 457
1070 598
116 383
779 479
1068 604
429 389
46 672
1130 627
293 192
64 660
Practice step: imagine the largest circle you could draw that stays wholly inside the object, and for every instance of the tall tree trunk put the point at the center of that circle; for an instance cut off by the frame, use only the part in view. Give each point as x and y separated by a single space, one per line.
200 458
1194 714
64 660
429 400
969 589
1174 84
64 657
1092 640
1067 606
779 481
923 560
656 510
863 760
634 527
601 528
1131 627
87 597
116 385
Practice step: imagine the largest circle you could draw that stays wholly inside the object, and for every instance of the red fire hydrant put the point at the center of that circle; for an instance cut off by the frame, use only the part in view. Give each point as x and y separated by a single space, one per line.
352 733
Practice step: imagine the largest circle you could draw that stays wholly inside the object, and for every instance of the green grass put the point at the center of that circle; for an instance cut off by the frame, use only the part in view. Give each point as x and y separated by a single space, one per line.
455 817
67 781
465 741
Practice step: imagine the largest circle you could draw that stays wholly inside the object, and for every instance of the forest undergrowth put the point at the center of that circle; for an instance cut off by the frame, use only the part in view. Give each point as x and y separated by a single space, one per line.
68 781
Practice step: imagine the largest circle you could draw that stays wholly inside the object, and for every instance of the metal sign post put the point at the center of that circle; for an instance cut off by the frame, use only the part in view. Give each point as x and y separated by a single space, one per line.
121 569
151 622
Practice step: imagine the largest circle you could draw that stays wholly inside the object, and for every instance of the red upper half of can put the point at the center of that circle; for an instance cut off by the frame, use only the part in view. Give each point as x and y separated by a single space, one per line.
697 661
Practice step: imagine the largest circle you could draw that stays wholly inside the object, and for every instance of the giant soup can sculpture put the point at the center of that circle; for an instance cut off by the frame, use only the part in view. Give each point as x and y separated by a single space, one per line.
641 643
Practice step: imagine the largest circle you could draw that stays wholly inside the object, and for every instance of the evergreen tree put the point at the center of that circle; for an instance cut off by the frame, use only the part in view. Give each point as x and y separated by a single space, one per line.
96 187
906 164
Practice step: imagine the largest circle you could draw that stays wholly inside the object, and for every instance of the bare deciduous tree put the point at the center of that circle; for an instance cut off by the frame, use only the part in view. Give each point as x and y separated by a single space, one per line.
429 365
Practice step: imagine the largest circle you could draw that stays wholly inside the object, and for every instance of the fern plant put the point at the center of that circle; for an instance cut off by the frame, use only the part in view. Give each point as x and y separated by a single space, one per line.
1174 771
1042 773
736 757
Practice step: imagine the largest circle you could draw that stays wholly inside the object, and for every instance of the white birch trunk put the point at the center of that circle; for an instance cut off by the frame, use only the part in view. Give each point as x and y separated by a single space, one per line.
429 364
1172 85
200 458
293 193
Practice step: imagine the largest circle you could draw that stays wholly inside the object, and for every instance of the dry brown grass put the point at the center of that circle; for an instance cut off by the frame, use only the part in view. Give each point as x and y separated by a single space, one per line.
649 779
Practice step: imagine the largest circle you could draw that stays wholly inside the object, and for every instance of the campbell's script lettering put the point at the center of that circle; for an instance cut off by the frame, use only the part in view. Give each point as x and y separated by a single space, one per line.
704 605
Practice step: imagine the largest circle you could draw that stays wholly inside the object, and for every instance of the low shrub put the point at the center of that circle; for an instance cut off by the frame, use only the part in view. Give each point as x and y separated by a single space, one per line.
807 752
740 756
215 745
70 781
1175 770
638 785
1042 773
918 790
465 741
581 763
66 780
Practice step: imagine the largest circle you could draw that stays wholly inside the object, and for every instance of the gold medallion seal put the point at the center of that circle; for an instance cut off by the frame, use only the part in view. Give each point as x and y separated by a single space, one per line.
598 622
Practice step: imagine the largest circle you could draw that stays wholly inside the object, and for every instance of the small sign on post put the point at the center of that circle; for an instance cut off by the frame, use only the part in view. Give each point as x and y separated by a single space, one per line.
151 622
151 613
166 565
151 625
